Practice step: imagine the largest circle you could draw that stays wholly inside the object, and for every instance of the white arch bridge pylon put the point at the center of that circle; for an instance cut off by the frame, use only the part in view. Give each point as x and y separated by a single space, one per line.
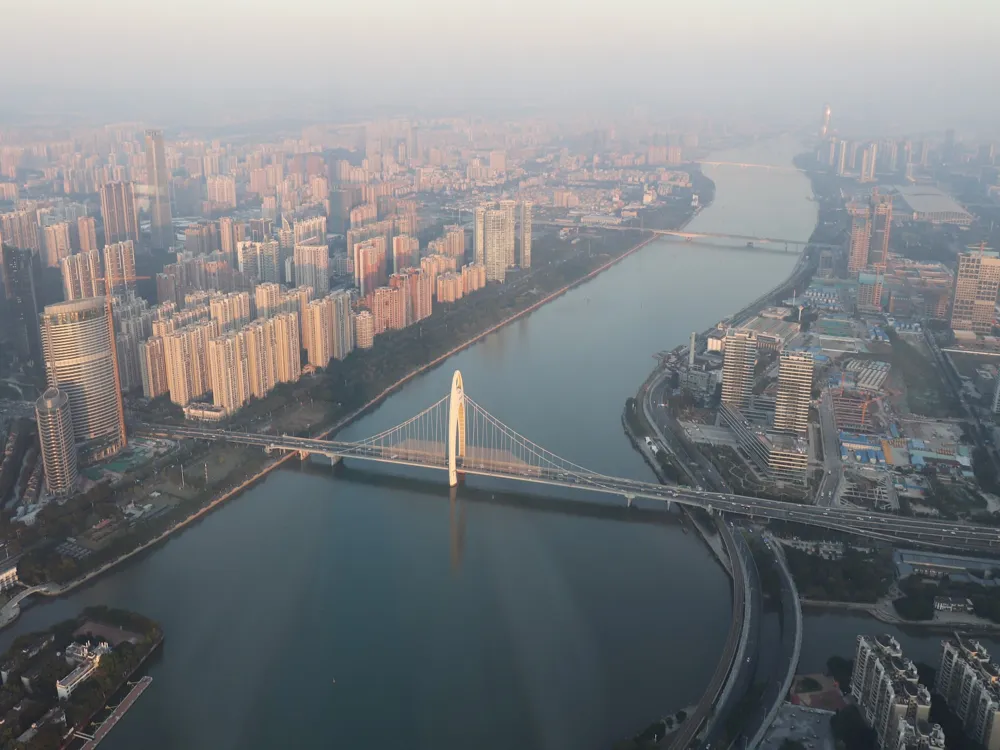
459 435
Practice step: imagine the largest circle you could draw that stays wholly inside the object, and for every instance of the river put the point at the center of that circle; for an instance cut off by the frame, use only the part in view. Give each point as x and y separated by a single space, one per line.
368 609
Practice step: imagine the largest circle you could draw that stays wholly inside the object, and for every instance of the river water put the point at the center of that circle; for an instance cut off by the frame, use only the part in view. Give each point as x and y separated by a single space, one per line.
368 608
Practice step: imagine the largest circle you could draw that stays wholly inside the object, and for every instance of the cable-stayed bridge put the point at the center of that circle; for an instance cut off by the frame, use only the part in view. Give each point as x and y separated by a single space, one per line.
458 436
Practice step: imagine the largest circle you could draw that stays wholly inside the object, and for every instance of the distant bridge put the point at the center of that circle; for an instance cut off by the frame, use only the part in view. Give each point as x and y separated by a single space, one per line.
460 437
746 165
749 241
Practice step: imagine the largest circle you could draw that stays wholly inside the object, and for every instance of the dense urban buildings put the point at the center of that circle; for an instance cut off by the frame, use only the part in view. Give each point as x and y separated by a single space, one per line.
78 344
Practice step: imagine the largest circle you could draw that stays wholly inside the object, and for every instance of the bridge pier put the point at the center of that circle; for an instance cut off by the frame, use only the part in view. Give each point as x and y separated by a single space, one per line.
303 456
628 500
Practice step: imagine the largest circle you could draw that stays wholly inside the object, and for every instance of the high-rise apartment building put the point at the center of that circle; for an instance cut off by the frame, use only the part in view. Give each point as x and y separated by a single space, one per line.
479 234
405 252
370 269
119 267
20 230
975 292
260 261
158 188
86 235
494 223
79 352
527 209
509 209
153 367
318 320
258 337
309 229
739 360
121 222
881 213
231 232
57 243
861 235
55 437
230 311
364 330
287 347
312 266
870 283
221 191
268 299
230 372
886 688
795 379
342 325
187 365
389 308
868 158
970 685
20 281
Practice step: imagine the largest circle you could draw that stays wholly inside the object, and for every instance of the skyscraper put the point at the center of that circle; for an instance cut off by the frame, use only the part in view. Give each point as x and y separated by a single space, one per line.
153 367
121 222
975 293
79 347
795 378
55 437
526 212
868 163
158 186
19 277
495 247
119 267
737 368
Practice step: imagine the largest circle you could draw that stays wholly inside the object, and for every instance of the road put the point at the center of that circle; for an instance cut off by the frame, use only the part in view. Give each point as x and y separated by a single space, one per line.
744 667
692 725
783 670
833 468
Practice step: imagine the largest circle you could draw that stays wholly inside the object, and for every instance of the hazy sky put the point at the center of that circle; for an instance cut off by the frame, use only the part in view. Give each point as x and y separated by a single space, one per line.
913 62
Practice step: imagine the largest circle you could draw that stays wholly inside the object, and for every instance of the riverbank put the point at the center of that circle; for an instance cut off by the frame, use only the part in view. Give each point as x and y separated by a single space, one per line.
883 612
59 590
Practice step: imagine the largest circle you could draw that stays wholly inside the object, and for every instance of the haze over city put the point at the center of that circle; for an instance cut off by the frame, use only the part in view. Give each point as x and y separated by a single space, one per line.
545 375
892 64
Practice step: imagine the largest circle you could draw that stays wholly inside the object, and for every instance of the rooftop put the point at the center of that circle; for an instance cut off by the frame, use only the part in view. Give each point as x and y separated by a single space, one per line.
924 199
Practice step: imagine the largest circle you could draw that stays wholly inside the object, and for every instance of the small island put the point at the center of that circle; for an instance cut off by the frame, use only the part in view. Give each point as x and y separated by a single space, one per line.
66 686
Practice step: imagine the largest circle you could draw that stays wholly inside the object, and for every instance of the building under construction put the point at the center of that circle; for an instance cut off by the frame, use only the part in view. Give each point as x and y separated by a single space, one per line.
853 411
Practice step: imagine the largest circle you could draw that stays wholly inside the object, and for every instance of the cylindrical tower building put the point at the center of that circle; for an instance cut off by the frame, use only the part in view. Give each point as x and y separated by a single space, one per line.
55 434
80 360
